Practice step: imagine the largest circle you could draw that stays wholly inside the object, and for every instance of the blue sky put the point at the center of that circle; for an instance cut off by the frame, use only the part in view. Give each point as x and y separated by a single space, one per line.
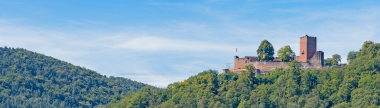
160 42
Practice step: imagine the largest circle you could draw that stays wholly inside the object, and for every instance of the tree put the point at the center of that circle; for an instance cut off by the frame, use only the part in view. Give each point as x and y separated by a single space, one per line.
285 53
266 49
328 61
352 55
336 59
250 68
294 64
367 44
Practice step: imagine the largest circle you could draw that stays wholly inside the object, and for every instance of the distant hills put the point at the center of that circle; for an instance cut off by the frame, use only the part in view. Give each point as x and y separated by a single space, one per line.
357 85
29 79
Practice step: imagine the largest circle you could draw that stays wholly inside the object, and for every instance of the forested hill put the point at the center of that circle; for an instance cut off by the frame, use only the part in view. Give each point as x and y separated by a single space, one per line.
29 79
357 85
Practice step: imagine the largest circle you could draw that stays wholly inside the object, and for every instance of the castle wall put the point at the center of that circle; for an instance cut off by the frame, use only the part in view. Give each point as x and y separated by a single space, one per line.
315 62
227 70
317 59
267 66
305 65
264 66
240 62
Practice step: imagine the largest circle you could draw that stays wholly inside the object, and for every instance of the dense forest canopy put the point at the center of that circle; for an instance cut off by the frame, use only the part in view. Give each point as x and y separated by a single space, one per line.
357 85
29 79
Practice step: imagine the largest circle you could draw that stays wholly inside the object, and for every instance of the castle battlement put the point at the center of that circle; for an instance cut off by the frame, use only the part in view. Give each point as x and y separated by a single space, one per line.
307 36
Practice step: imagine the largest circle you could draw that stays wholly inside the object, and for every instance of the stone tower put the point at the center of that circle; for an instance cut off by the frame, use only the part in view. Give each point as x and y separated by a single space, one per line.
308 47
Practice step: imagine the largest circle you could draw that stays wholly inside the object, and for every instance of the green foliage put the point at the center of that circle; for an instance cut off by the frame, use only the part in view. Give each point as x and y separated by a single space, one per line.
33 80
294 64
355 86
285 53
250 68
328 61
336 59
266 49
352 55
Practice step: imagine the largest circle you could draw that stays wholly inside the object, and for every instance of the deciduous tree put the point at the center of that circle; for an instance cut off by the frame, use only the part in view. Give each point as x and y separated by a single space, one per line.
336 59
285 53
352 55
250 68
265 48
328 61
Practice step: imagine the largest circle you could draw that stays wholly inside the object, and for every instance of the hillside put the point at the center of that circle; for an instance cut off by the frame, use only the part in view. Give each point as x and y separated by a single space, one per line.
357 86
29 79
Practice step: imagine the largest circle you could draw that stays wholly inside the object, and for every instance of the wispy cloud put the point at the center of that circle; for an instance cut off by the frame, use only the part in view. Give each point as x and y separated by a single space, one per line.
165 44
151 78
192 67
171 51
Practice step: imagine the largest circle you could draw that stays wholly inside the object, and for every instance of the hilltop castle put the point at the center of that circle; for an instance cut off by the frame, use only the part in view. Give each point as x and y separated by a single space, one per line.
309 58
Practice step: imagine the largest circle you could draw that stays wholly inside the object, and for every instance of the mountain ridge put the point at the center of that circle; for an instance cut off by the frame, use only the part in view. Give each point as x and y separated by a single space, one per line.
30 79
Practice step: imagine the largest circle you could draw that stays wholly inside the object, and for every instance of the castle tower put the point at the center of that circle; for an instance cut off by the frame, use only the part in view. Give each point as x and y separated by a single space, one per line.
308 47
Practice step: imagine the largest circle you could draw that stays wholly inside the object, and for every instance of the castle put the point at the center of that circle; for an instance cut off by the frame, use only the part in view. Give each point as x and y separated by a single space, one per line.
309 58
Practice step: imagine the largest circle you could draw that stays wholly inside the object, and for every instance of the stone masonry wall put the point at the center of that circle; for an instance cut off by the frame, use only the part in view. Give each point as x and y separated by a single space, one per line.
317 59
311 46
303 49
308 46
267 66
240 62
